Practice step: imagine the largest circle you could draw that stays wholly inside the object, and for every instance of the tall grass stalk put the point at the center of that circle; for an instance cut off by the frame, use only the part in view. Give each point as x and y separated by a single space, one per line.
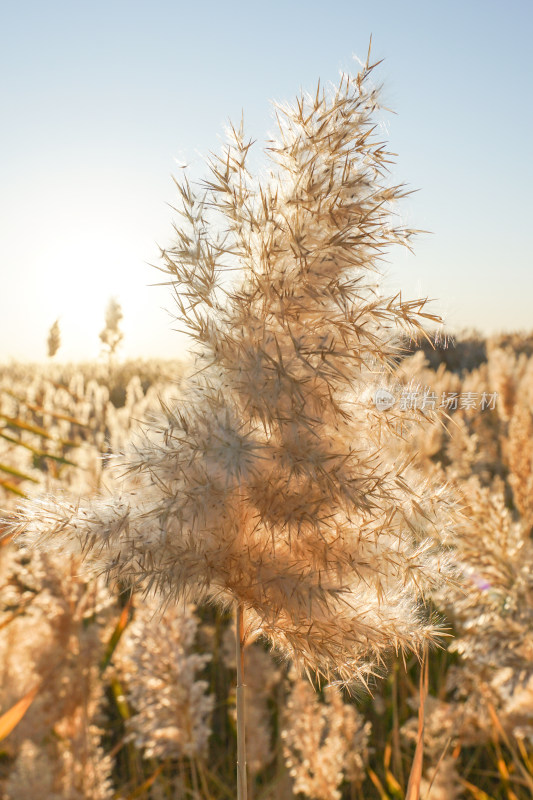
242 781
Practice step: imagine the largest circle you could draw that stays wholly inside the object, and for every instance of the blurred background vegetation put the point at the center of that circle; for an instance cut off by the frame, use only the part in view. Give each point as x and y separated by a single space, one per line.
102 698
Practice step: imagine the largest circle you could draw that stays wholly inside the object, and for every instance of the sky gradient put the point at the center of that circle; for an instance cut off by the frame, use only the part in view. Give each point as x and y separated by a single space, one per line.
102 102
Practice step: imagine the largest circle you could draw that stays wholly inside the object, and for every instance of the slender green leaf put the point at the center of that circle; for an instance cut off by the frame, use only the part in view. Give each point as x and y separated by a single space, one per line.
20 424
120 627
46 411
17 473
36 451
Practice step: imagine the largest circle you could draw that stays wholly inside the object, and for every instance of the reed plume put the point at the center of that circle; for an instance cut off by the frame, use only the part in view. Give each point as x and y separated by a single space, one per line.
156 662
323 743
111 336
273 483
53 341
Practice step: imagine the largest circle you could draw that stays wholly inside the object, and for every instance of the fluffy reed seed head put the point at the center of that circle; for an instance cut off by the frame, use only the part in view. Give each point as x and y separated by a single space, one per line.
272 481
53 341
111 336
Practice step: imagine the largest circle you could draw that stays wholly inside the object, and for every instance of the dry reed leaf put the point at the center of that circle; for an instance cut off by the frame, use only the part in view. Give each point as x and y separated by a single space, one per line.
502 766
11 487
477 793
11 718
377 783
439 762
415 777
140 790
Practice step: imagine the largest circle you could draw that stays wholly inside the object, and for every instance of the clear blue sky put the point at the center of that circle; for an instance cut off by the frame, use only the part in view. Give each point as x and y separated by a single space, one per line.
100 99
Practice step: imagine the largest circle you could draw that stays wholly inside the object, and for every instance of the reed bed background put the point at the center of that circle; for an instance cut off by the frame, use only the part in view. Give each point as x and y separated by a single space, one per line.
102 698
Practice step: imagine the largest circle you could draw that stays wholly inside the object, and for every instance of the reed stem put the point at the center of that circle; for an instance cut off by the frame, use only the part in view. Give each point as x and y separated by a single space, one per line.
242 787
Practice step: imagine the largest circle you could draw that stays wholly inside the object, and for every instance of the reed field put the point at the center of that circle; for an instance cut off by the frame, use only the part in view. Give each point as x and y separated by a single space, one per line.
298 563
